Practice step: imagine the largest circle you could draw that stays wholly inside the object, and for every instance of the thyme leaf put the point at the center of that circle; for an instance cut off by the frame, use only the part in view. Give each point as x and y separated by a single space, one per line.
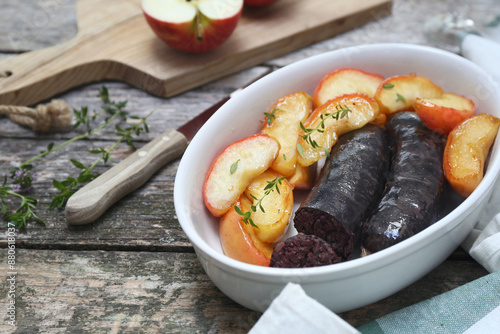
234 167
270 116
341 112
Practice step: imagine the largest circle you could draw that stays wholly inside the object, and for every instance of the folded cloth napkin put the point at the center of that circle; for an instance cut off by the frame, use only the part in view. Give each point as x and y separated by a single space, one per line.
294 312
473 308
483 243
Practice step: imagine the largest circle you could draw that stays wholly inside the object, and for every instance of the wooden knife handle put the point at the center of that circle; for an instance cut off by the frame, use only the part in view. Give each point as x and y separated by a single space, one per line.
88 203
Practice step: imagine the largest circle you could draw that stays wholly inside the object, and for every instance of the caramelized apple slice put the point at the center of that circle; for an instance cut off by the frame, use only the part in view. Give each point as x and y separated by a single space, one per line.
346 81
233 170
304 177
466 150
277 204
332 119
399 93
237 243
283 123
443 114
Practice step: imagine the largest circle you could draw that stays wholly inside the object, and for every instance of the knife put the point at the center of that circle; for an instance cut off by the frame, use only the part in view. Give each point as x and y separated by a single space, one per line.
92 200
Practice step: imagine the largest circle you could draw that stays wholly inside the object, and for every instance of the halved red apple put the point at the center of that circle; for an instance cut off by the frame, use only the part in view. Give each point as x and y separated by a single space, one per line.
193 25
443 114
346 81
233 170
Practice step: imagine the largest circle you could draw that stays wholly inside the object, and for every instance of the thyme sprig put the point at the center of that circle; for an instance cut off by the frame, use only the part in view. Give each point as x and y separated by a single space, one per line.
270 116
70 185
23 177
24 212
340 113
114 109
271 186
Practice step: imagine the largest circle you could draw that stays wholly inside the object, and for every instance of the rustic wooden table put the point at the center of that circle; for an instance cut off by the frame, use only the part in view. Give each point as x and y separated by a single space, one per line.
134 270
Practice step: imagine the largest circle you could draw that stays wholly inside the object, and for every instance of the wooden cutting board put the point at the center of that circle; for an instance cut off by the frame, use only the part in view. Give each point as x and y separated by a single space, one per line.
114 42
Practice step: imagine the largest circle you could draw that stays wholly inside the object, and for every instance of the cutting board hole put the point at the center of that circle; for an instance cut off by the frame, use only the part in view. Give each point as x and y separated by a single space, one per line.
5 74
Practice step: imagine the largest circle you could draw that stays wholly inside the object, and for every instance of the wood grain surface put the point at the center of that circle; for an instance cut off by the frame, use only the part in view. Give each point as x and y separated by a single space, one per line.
134 270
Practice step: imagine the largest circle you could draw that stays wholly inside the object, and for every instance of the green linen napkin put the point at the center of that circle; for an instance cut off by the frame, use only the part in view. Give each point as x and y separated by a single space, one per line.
471 308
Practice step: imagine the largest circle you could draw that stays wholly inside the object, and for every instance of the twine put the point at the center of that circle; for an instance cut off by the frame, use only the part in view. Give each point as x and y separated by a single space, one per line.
56 114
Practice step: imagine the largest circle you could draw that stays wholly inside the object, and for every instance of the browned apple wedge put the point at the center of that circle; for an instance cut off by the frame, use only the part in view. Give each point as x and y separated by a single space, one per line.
466 150
346 81
332 119
233 170
399 93
283 123
304 177
443 114
277 203
237 240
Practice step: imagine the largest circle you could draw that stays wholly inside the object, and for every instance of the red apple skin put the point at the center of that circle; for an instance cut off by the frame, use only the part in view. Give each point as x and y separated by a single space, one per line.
211 197
237 243
183 37
258 3
442 119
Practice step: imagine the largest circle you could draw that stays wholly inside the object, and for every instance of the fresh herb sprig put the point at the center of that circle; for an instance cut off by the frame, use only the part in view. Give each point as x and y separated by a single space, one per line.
340 113
271 186
111 108
23 177
24 212
270 116
70 185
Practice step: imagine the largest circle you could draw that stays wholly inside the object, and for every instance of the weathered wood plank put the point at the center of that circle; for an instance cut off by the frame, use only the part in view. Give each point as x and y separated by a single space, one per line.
33 24
144 219
118 292
157 292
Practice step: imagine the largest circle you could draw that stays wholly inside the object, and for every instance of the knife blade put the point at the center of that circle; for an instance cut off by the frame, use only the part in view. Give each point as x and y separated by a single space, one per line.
92 200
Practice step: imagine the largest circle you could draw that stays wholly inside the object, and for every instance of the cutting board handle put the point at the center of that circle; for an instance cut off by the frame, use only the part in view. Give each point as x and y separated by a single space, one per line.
37 75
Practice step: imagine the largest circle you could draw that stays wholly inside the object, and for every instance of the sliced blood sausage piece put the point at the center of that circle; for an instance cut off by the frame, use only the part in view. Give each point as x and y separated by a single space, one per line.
302 251
411 199
348 189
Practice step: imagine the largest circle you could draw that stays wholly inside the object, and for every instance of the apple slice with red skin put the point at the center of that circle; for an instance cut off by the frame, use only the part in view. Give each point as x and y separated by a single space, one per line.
324 128
250 244
443 114
346 81
233 170
237 243
399 93
466 150
193 25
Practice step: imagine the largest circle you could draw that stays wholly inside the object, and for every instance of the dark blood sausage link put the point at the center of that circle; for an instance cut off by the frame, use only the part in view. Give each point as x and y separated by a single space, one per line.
348 189
302 251
414 185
